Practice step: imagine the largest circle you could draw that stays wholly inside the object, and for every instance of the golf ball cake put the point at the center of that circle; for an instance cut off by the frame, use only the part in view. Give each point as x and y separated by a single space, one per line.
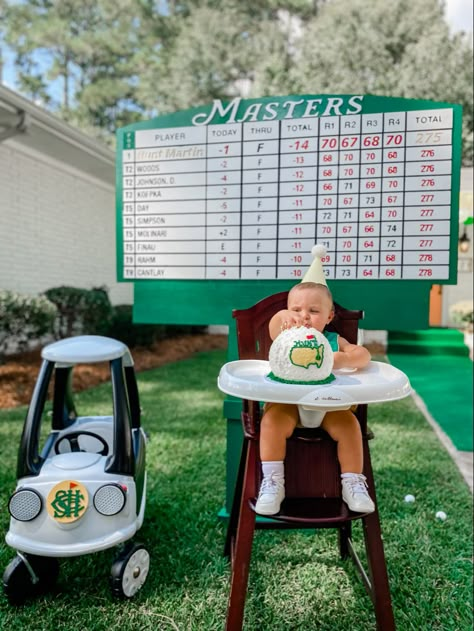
301 355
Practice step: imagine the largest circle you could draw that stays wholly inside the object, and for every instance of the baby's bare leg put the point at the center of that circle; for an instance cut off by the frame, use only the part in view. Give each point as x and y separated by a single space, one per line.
278 423
344 428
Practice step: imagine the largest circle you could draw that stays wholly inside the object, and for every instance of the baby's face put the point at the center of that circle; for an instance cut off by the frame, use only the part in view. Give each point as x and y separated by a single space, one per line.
314 305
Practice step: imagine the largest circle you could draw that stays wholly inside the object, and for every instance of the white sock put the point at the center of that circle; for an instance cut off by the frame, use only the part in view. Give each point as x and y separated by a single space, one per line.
349 475
273 466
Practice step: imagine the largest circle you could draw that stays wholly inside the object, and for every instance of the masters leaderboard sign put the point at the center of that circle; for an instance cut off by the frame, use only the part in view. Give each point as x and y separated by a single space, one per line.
243 190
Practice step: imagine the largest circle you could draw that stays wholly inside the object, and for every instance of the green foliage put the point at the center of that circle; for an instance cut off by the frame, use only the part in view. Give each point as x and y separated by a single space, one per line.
399 48
67 311
23 319
80 311
119 62
462 313
89 46
123 328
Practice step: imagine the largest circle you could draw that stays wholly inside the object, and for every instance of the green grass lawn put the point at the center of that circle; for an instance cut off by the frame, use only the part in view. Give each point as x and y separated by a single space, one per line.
297 581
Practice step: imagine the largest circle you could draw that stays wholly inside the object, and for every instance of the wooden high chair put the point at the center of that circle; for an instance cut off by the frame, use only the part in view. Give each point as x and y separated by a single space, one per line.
312 478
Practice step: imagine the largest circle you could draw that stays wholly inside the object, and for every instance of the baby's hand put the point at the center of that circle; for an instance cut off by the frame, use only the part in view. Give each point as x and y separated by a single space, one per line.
289 319
283 320
340 360
350 355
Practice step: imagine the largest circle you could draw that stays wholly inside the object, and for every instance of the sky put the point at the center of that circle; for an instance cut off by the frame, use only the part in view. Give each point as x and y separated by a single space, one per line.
459 15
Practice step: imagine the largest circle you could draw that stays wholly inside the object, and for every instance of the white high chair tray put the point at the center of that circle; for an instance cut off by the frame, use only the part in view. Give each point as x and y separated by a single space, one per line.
376 383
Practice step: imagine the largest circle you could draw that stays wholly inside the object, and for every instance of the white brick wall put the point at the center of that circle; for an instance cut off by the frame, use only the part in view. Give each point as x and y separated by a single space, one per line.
57 226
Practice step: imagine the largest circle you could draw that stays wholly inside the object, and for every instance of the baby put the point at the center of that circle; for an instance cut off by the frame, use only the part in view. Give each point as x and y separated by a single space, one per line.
310 304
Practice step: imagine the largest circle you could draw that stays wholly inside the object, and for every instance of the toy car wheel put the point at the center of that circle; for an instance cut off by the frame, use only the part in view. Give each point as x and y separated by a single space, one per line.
129 571
18 583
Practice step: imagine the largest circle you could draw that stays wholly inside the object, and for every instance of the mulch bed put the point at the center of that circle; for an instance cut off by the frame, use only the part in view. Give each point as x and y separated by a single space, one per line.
18 374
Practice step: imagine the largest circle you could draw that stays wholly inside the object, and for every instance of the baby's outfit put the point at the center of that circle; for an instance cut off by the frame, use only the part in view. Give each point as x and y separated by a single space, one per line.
314 418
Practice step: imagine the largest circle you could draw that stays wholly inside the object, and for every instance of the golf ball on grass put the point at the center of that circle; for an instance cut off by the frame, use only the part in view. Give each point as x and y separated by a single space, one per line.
441 515
409 499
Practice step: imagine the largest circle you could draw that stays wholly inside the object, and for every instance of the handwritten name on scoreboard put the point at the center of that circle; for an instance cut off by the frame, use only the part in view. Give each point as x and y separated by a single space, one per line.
249 199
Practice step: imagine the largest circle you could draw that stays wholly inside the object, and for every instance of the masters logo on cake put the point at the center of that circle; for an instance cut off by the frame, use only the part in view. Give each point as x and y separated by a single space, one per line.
301 355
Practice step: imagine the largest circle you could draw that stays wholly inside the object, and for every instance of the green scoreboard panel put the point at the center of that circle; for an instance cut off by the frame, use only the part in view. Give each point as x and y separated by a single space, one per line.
227 200
219 206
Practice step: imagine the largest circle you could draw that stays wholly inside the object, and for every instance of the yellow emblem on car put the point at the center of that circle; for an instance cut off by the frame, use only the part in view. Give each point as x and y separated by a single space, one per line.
67 501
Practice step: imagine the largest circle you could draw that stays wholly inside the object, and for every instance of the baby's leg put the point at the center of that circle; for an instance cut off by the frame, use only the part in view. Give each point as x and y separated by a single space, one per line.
278 423
344 428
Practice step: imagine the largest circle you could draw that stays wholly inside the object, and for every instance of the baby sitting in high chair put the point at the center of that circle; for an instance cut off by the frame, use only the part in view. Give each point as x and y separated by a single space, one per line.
310 305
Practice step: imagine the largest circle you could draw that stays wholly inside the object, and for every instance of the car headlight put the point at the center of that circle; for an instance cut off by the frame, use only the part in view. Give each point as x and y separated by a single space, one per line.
25 505
109 499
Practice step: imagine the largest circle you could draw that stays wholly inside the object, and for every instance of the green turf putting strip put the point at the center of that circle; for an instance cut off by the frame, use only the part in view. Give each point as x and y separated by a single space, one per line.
428 342
445 385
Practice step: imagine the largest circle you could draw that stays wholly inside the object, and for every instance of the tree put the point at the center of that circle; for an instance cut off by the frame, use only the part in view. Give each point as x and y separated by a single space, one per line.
88 48
220 49
119 61
444 76
398 48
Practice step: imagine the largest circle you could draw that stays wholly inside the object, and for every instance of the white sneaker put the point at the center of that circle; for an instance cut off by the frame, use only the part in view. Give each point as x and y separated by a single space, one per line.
354 493
271 495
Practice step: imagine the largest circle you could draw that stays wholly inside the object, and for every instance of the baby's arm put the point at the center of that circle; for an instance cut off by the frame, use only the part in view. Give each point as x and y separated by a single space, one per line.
350 355
282 320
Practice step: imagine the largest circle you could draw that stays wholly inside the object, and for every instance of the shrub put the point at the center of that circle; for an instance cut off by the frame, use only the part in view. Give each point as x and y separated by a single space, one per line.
461 313
24 318
124 329
80 311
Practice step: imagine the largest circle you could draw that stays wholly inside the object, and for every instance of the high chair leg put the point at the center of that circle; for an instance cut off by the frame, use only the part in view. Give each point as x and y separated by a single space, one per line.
380 589
236 501
243 546
345 532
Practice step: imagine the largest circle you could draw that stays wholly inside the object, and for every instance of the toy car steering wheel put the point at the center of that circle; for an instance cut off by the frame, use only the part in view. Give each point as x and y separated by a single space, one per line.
72 439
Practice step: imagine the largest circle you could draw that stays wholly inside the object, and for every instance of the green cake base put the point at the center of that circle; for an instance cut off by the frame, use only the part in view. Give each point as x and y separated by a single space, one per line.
302 383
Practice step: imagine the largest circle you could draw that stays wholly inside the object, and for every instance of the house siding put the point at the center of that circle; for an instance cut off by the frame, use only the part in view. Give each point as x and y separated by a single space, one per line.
57 226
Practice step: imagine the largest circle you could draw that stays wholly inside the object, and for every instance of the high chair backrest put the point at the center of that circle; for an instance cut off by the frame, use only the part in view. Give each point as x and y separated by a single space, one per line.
253 339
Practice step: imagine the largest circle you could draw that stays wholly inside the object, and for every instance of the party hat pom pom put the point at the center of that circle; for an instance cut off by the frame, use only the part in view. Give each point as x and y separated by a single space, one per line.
318 250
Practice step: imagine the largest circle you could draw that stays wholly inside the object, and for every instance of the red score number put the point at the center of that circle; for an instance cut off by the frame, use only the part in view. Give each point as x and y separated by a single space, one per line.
349 141
328 143
392 139
371 141
301 145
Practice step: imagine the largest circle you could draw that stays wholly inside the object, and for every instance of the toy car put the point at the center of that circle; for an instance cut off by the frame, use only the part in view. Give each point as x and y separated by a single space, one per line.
85 491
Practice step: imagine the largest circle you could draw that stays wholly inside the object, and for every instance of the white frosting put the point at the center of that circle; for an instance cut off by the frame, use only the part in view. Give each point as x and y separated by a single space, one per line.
301 355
